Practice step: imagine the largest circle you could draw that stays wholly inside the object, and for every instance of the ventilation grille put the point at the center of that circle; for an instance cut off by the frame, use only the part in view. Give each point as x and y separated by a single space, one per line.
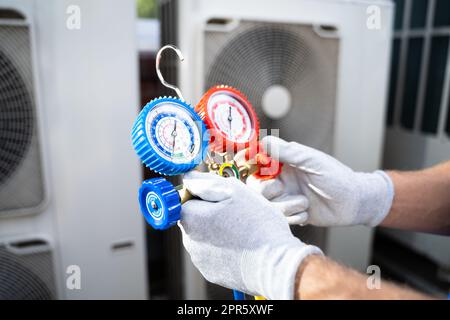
21 183
16 118
256 56
26 276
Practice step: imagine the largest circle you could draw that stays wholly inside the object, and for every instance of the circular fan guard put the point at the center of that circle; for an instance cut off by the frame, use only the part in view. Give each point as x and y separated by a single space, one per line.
18 282
263 55
16 118
259 58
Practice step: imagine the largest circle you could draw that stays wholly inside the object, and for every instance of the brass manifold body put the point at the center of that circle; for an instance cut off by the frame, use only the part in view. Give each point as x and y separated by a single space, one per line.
227 169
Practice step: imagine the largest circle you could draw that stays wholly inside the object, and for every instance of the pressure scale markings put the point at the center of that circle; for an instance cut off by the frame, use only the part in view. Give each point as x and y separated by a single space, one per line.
230 117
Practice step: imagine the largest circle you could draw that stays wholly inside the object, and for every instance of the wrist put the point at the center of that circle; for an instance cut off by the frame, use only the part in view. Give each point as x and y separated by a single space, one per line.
376 198
271 271
320 278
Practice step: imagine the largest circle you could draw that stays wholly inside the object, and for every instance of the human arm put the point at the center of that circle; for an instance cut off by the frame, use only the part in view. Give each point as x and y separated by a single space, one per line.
238 240
422 200
322 278
417 201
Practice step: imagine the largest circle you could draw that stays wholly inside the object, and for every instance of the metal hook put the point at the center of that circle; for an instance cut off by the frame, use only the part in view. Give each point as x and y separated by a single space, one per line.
158 71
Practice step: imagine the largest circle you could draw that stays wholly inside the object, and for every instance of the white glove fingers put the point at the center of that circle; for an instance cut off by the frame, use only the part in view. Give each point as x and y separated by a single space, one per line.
193 212
291 205
306 170
286 152
207 186
184 236
298 219
269 189
320 192
294 154
239 158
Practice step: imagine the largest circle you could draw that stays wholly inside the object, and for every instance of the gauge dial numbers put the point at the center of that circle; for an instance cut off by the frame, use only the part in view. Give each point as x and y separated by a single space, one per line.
169 137
173 133
230 118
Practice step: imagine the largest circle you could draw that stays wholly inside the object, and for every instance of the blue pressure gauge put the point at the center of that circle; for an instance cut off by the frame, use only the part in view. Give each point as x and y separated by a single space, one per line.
169 136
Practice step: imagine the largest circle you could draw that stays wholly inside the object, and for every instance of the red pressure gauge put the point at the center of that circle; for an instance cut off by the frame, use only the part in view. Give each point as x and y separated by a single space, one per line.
230 117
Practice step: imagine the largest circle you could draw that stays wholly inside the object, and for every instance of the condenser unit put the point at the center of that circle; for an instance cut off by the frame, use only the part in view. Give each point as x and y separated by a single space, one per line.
68 176
314 69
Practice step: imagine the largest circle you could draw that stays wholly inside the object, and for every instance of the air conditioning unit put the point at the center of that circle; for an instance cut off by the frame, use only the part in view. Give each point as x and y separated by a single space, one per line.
317 70
68 176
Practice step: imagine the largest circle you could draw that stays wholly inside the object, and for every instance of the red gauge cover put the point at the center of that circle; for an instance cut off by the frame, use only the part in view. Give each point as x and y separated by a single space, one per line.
219 141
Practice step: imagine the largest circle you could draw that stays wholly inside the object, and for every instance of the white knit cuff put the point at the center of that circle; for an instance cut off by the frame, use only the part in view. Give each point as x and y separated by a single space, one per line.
379 196
271 271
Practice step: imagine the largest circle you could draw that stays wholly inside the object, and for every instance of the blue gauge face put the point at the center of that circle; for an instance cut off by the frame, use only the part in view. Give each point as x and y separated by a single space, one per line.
173 133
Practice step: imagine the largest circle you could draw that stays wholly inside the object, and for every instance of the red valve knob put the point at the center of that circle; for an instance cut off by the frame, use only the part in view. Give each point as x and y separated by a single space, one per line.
268 168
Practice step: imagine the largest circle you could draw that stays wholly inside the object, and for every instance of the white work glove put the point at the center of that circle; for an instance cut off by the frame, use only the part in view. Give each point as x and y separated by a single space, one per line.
293 207
337 195
238 240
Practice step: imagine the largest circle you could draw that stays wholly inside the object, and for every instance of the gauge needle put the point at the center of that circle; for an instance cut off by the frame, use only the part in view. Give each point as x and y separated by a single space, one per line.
174 135
230 118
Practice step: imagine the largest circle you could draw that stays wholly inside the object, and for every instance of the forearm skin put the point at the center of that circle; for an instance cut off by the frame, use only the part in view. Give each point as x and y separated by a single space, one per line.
422 200
320 278
421 203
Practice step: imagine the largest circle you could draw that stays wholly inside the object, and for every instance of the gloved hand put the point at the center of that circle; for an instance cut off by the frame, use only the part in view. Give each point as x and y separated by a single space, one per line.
337 195
238 240
292 206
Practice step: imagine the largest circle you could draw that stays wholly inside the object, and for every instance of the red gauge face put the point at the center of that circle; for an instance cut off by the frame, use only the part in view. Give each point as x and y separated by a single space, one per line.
230 117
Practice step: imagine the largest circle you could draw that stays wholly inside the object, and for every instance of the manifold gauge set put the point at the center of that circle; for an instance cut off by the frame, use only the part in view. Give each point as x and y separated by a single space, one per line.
171 138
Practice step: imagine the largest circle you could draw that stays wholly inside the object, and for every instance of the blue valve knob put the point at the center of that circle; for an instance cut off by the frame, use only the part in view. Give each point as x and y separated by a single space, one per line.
160 203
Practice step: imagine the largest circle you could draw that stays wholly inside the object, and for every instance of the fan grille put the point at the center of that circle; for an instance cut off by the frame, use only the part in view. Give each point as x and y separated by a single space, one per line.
258 55
259 58
16 118
26 277
21 176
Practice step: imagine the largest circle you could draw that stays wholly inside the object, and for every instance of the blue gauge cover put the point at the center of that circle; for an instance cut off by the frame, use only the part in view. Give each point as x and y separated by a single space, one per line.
160 203
146 152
